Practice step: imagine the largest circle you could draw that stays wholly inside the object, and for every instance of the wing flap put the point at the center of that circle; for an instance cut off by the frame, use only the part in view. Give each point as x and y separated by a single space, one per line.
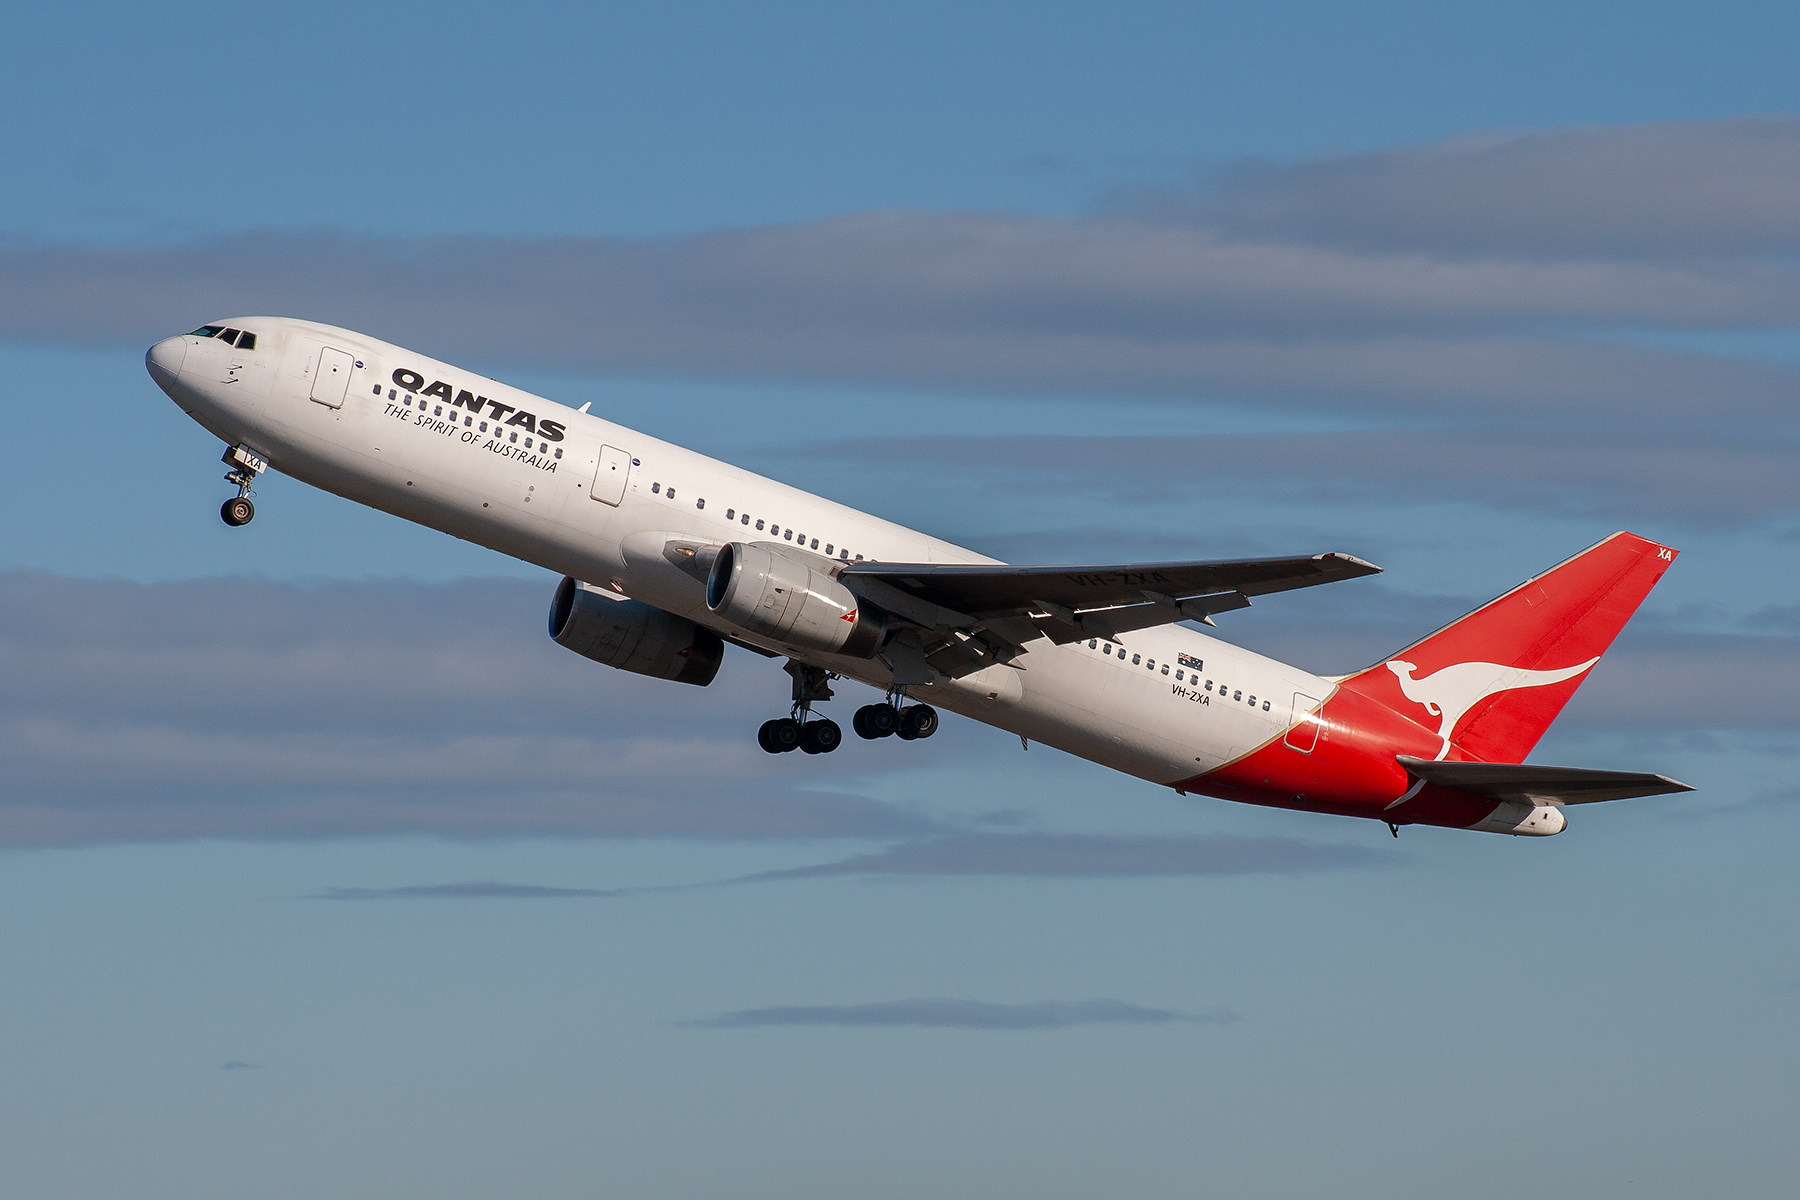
1540 785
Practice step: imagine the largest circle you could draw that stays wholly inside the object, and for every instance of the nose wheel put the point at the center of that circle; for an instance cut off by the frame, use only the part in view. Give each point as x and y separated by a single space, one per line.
245 466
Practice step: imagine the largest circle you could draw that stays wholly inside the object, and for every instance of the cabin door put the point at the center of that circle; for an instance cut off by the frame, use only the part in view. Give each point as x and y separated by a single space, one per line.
610 477
332 379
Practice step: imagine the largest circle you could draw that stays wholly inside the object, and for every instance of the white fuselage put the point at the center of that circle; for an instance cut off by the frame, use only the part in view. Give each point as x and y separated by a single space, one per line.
469 474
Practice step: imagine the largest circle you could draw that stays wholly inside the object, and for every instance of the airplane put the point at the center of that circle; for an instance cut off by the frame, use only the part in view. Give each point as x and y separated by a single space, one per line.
667 555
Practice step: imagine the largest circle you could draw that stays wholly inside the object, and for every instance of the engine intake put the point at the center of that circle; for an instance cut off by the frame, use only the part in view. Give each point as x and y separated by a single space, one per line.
765 592
633 636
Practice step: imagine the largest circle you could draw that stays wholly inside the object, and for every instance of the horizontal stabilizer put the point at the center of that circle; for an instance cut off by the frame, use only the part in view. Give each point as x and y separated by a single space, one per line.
1539 785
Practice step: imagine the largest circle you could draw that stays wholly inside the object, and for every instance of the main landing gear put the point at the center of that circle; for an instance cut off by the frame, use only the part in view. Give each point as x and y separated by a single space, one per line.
888 718
818 735
245 467
802 731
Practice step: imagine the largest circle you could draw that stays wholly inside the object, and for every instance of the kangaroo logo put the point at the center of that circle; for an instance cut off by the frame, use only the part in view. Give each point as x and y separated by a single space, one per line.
1454 690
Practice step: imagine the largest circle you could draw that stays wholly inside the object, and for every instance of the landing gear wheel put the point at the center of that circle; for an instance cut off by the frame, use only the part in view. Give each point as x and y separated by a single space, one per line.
919 721
875 721
237 511
779 736
820 737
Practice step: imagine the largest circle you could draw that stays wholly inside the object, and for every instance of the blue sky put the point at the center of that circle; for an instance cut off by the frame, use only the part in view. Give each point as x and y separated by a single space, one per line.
310 883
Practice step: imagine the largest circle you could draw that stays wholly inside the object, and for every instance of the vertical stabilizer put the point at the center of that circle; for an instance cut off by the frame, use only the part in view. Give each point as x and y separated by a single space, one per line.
1489 684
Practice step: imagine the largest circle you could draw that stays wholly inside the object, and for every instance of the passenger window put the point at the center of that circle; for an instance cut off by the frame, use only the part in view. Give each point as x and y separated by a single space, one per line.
828 550
731 514
390 392
671 493
815 545
844 555
559 452
859 558
1209 685
746 520
759 524
378 389
1237 695
1134 659
515 436
1265 706
484 427
656 489
409 402
1179 676
439 411
700 503
1092 642
1151 663
789 535
1253 702
247 341
1165 670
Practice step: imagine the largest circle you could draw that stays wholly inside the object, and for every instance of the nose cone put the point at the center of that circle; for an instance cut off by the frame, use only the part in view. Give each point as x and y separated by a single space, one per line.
164 359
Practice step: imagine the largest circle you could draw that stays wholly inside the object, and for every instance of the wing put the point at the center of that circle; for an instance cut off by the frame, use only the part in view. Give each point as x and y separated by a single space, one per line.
1539 785
973 616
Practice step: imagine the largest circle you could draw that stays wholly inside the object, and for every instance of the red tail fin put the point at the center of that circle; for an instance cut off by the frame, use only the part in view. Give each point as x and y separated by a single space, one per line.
1490 684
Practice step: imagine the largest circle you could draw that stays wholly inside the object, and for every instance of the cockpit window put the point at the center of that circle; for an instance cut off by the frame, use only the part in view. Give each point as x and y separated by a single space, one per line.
230 336
207 331
246 340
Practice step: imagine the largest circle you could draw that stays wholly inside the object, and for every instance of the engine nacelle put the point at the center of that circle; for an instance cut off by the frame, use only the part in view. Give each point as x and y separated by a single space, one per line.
633 636
758 589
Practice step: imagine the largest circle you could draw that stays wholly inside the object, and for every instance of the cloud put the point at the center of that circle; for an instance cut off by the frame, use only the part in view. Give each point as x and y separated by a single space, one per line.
1618 474
1094 855
964 1014
1521 272
1664 190
1041 855
246 708
474 891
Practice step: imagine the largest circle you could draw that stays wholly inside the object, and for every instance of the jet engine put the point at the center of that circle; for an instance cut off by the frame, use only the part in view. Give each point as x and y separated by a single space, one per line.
769 593
633 636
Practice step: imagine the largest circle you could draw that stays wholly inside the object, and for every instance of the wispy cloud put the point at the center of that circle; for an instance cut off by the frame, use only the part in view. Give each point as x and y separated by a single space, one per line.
1667 190
1076 855
963 1014
1449 279
475 891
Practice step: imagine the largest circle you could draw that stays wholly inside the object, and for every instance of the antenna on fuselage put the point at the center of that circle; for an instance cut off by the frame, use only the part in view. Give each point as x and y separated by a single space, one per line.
584 407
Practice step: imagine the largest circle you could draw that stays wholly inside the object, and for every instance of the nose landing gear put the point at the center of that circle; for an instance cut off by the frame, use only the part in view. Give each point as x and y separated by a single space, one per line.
245 466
